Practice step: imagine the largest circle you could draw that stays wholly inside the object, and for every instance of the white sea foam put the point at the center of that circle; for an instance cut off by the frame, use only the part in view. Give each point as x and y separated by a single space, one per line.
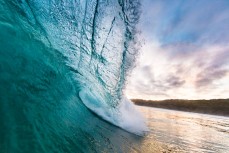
124 116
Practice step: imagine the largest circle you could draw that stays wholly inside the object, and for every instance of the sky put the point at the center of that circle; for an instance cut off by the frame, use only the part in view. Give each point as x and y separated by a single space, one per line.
184 50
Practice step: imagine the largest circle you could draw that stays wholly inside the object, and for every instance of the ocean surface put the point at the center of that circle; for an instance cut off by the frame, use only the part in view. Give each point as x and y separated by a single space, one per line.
63 67
177 131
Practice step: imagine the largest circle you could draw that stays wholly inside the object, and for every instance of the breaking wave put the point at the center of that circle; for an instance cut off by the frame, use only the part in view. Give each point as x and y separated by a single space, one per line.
56 55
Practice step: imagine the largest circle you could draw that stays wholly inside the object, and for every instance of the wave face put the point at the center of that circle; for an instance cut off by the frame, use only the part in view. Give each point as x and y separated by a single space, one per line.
56 57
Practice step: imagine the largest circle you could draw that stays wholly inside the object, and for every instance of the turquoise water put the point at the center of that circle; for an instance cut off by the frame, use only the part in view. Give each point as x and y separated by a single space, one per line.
63 66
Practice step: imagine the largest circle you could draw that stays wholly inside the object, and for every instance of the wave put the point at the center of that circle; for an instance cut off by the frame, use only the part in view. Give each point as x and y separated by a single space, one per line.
54 54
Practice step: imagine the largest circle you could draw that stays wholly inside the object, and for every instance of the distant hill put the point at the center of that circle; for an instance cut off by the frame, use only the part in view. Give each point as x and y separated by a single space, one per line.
213 106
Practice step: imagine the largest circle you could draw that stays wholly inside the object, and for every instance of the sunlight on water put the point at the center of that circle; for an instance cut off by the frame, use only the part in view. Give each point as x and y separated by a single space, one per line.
62 60
187 132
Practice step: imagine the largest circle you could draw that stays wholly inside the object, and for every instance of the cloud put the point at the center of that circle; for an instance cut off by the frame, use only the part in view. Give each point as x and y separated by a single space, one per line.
186 51
186 22
209 75
174 81
213 65
197 74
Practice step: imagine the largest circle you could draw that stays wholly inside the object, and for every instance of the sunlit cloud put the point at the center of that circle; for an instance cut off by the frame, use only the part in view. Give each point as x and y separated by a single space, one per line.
185 52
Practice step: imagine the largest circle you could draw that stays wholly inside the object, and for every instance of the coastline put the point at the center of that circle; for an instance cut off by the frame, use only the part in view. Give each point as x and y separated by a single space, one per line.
212 106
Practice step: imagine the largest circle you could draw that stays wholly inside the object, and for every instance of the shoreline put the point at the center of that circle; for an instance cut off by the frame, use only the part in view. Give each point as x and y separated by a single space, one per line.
212 106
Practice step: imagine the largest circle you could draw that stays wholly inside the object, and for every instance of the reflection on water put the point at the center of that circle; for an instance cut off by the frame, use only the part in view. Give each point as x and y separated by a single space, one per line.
187 132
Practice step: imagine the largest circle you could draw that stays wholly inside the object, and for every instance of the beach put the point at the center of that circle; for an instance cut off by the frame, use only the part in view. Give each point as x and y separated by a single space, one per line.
178 131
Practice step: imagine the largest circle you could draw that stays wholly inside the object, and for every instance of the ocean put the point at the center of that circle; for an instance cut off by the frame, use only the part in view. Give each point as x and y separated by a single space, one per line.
63 66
